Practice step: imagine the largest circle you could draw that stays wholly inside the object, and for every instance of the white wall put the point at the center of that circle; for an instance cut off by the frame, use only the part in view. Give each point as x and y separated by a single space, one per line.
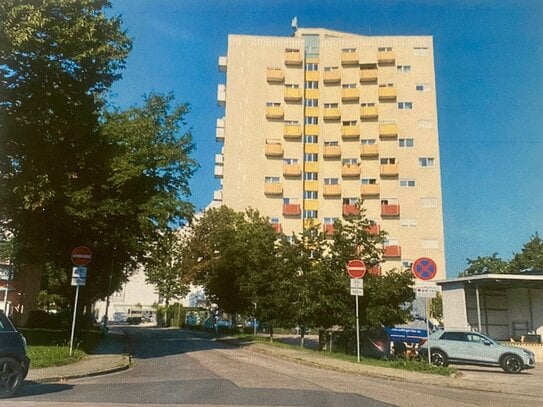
454 307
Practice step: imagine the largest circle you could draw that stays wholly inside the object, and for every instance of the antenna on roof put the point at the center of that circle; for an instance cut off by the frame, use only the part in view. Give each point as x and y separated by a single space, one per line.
294 25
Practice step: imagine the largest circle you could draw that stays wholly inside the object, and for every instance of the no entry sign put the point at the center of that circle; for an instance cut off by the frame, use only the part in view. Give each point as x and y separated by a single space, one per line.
356 268
81 256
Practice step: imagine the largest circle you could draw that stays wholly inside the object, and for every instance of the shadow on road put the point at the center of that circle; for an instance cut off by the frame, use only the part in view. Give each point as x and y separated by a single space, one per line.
30 388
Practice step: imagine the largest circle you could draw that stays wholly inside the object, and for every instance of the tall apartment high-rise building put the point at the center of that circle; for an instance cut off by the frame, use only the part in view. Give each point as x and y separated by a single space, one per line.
316 121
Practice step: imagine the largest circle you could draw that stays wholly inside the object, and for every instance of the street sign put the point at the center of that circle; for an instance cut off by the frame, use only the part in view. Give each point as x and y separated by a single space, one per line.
424 268
81 256
357 286
356 268
357 291
79 276
426 291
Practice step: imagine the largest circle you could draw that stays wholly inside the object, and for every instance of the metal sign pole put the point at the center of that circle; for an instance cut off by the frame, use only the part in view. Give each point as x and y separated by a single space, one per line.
73 320
428 331
357 333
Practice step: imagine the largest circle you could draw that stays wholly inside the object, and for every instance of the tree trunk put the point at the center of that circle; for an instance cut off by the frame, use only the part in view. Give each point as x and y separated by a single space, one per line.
271 333
28 279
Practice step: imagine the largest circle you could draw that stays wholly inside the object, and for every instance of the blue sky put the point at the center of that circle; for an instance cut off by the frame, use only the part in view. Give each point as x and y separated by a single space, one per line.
489 75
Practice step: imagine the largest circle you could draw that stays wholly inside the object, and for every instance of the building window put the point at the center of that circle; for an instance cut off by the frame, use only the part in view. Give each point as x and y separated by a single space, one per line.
331 181
311 176
311 120
405 105
329 221
311 214
292 86
349 86
406 264
349 50
350 201
367 141
311 157
311 139
291 122
421 51
274 221
426 162
385 161
430 244
311 66
423 87
407 183
331 105
391 242
289 201
271 180
408 223
425 124
331 143
311 102
290 161
428 202
406 142
273 104
349 161
366 104
311 195
312 84
349 123
384 49
404 68
330 68
368 181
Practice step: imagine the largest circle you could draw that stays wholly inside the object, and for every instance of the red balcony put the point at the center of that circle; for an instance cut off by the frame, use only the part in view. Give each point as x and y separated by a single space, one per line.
328 230
375 270
393 251
277 227
350 209
291 210
390 210
374 229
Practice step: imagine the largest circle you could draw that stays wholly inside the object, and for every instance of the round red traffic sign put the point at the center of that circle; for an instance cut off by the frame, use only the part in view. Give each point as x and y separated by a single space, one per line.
81 256
424 268
356 268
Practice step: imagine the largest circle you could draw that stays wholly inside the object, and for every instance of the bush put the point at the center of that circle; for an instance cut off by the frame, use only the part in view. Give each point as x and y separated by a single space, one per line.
43 319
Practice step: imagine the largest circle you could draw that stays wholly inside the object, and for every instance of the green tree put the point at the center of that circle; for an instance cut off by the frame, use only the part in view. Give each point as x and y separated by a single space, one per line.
485 265
530 257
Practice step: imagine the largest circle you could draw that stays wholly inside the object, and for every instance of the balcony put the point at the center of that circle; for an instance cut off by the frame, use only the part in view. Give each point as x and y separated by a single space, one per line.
312 76
219 159
374 229
292 170
293 58
388 130
311 148
350 94
292 131
350 132
331 151
274 149
310 222
389 170
291 210
350 170
369 150
387 93
221 94
331 113
311 204
392 251
369 189
311 93
222 64
273 188
386 57
390 210
331 190
349 209
312 129
349 58
219 171
375 271
333 76
277 227
275 75
328 230
293 94
219 131
368 112
217 195
274 112
368 75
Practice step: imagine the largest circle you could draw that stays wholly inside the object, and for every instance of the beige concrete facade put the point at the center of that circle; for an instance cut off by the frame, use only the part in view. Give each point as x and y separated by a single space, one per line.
315 121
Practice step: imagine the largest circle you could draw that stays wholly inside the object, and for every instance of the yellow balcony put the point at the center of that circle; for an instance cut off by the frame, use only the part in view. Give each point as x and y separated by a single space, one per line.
274 150
331 190
331 113
275 75
292 170
311 222
331 152
368 112
293 58
311 185
311 148
292 131
274 112
350 131
386 57
388 130
310 166
368 75
350 170
387 93
369 189
311 204
311 75
369 150
273 188
312 111
349 58
349 94
312 94
390 170
331 76
293 94
312 129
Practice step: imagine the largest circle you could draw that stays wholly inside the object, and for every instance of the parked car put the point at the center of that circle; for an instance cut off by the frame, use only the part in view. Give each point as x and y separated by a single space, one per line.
223 323
473 348
119 317
251 322
14 362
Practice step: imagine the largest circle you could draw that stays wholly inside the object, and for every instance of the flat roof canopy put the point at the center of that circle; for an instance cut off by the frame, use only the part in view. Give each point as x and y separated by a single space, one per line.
524 280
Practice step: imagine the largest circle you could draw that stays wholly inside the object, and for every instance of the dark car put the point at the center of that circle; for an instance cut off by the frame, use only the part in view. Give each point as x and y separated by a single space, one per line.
13 360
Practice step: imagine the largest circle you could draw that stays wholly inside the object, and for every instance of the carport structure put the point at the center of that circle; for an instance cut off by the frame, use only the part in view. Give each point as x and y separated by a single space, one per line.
503 306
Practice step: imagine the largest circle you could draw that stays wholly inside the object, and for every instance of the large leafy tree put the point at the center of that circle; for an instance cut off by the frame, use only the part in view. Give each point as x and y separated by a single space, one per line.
530 257
485 265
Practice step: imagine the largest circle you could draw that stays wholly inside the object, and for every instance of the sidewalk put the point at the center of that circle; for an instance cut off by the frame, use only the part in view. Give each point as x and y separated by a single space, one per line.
110 356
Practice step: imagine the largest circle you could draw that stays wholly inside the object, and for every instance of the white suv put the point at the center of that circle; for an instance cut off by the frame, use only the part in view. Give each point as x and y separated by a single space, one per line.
473 348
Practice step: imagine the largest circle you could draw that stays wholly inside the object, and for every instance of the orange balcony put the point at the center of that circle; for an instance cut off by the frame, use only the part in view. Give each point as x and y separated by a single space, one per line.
292 131
350 131
291 210
393 251
387 93
369 150
293 94
369 189
328 229
386 57
350 170
390 210
311 76
275 75
292 170
331 113
374 229
312 129
390 170
349 58
375 270
274 112
349 209
274 188
274 150
388 130
368 75
331 190
293 58
332 76
368 112
331 151
350 94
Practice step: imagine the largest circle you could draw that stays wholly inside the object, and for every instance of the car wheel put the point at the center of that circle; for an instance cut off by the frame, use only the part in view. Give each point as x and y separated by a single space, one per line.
439 358
11 376
511 364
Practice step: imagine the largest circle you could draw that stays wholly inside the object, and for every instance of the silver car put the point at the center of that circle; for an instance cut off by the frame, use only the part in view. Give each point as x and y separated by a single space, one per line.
473 348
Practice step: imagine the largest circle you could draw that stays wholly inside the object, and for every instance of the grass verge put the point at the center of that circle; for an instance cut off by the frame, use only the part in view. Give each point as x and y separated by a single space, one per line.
48 356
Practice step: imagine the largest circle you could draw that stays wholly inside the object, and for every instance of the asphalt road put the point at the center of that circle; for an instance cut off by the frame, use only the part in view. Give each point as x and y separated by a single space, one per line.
173 368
